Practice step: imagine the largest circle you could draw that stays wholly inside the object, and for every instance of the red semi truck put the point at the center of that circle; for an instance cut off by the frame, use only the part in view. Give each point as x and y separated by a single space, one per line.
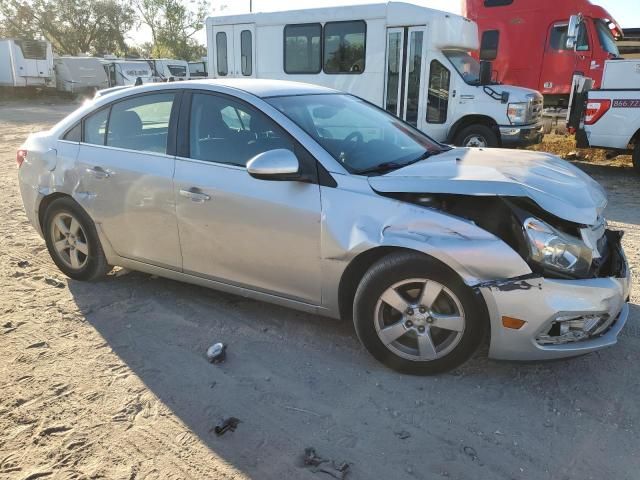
527 42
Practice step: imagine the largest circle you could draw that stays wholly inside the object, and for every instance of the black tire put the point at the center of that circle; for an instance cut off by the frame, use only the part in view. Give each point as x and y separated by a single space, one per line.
401 266
483 132
636 158
95 265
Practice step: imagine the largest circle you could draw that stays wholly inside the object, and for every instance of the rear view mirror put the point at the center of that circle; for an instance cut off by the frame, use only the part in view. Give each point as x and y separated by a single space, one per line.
279 164
324 113
572 30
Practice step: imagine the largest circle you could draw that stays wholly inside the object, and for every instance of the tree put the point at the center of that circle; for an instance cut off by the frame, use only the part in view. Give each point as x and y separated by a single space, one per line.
173 26
72 26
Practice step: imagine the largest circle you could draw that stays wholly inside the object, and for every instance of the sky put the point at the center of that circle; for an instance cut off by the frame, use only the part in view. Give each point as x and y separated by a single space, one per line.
626 12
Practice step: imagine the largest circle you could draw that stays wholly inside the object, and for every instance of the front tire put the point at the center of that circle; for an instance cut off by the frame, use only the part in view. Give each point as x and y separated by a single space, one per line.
417 316
478 136
72 241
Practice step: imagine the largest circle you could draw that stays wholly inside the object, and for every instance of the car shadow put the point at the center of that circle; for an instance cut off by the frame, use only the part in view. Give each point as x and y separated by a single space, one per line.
297 380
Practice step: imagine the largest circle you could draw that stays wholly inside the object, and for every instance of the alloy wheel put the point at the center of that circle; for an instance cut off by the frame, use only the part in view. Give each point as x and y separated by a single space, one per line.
419 319
69 240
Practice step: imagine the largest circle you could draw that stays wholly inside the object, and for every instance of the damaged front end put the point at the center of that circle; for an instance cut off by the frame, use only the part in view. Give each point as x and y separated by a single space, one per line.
573 302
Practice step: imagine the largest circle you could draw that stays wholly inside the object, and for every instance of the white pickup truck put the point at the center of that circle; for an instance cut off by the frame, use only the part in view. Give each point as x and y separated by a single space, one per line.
609 117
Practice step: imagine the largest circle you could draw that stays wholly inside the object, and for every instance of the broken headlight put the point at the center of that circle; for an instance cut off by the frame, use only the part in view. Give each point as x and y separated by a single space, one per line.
556 250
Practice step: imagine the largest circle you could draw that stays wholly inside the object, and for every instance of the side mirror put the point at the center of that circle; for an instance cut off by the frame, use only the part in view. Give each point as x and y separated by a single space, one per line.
572 30
486 72
279 164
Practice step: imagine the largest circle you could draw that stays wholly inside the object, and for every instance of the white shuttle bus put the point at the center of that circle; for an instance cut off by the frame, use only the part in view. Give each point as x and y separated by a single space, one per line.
26 63
413 61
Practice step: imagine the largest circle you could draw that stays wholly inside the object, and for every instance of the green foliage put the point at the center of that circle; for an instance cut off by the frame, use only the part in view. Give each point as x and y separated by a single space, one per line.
173 26
74 27
99 27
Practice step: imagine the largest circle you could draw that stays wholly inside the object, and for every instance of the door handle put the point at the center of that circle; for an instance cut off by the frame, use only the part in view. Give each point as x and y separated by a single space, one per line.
195 195
98 172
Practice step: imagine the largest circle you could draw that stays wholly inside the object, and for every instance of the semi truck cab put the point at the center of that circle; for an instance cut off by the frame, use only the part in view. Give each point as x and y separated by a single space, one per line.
513 31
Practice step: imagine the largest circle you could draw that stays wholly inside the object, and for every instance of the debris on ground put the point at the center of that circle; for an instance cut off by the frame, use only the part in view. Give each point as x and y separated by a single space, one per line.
23 264
53 282
574 155
403 434
230 423
217 353
317 463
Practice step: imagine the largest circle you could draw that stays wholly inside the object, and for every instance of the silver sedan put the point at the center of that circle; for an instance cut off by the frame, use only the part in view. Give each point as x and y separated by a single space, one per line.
317 200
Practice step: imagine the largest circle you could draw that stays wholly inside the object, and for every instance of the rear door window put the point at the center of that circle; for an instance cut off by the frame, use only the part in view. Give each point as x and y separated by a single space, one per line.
95 127
141 123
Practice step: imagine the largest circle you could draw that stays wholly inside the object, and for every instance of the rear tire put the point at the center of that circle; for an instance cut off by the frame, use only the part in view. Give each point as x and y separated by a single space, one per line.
636 158
72 241
436 323
480 136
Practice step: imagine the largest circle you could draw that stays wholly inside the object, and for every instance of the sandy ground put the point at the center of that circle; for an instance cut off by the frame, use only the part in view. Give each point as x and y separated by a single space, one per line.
109 380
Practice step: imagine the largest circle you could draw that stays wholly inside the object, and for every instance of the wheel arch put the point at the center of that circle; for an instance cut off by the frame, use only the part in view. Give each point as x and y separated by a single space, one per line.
44 205
635 139
361 263
474 119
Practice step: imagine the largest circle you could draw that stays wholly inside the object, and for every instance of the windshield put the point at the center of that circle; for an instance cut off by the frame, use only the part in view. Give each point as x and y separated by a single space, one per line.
606 38
363 138
178 70
467 66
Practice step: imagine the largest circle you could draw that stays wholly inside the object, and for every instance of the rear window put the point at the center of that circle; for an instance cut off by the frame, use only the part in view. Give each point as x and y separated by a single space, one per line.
33 49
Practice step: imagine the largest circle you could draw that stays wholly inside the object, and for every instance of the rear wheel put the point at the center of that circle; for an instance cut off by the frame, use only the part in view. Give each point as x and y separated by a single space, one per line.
416 316
72 241
479 136
636 158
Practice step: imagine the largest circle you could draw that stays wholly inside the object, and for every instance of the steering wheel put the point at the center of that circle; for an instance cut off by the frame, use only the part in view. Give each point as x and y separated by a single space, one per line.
354 137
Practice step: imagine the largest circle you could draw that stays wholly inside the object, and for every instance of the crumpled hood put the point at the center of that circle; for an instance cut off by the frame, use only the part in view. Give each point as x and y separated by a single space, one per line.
555 185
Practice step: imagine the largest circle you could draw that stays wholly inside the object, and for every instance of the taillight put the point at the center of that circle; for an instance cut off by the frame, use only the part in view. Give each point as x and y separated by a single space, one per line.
20 157
595 110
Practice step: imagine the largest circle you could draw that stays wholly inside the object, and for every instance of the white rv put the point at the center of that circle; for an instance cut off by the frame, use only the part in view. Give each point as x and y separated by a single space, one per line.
126 72
167 68
25 63
79 74
413 61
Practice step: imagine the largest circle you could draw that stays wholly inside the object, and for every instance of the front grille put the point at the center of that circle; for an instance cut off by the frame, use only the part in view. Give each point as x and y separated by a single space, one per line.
536 110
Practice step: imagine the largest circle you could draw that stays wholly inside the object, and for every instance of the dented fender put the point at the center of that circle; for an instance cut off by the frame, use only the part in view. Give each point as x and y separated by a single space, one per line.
350 229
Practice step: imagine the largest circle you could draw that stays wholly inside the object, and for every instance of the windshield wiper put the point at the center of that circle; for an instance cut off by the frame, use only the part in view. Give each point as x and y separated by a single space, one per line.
389 166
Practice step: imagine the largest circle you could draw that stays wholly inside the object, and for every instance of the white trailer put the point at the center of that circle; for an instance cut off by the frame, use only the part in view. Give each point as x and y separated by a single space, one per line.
126 72
164 69
413 61
79 74
25 63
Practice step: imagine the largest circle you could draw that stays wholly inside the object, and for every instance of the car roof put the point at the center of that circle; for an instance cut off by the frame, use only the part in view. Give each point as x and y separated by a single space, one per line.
258 87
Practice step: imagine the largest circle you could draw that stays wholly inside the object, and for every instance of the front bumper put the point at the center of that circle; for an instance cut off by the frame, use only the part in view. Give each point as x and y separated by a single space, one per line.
515 136
540 302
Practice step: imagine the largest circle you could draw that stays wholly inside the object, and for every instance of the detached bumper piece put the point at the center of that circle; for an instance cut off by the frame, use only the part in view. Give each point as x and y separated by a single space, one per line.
562 318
